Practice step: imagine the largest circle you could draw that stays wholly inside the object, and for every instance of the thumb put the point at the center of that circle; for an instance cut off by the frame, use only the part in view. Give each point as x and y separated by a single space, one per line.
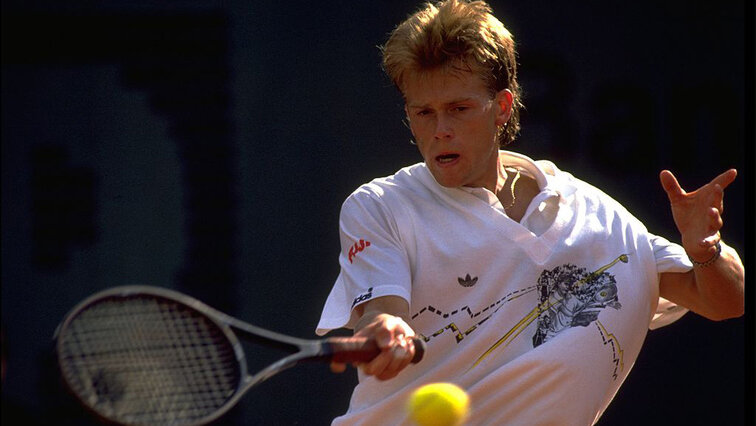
670 184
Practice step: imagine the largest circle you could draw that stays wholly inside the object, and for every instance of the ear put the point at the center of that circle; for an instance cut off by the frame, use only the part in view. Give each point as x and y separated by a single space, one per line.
504 99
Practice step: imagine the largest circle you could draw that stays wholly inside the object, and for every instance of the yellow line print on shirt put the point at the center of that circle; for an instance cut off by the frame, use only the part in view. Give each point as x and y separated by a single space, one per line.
530 317
611 339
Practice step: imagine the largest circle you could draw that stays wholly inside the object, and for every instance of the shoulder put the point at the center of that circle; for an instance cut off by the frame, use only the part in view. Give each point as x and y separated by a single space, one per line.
388 195
594 199
584 189
389 190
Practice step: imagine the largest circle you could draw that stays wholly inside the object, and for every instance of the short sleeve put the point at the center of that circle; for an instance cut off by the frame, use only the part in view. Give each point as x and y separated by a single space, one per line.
373 259
670 257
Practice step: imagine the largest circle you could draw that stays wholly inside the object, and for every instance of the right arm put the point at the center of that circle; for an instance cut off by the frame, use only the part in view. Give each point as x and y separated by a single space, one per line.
384 264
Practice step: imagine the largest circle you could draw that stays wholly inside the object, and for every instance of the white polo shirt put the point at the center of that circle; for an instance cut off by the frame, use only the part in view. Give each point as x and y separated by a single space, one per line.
540 321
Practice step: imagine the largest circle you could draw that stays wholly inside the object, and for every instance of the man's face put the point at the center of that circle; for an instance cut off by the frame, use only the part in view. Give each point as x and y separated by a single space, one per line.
454 122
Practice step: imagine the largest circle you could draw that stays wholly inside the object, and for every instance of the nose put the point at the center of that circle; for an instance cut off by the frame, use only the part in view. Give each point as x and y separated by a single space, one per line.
443 127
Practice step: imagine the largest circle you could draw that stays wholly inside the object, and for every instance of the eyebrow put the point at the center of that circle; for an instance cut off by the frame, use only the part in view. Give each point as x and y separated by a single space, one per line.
455 101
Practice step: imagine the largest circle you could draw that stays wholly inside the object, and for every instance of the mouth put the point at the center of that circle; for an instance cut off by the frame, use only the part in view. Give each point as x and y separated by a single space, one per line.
447 158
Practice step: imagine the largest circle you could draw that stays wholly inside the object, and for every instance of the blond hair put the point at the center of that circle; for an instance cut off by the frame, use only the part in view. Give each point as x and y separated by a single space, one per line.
459 34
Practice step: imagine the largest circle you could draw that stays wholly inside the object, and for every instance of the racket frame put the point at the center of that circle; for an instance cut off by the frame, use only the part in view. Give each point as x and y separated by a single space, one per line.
337 348
231 328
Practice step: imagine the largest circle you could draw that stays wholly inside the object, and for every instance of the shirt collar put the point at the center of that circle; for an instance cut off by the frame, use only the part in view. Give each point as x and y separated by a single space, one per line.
542 171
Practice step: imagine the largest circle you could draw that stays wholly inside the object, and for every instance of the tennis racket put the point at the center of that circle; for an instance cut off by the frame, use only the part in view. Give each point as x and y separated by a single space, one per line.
142 355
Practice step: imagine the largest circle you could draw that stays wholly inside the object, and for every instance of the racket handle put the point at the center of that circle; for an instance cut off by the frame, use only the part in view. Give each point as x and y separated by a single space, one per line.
360 349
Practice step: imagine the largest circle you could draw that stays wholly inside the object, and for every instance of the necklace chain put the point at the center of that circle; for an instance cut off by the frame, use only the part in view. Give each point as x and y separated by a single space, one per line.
512 188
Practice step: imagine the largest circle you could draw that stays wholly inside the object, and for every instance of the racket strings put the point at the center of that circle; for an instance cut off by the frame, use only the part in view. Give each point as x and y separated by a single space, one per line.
147 361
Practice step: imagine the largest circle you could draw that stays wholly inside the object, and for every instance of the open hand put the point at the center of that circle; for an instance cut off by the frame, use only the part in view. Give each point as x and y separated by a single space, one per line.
698 214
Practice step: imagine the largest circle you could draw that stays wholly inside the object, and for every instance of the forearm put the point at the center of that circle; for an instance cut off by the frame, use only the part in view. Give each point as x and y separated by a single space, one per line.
721 286
715 291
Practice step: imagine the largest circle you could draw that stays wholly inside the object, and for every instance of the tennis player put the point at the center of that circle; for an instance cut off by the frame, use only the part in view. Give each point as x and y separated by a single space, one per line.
534 290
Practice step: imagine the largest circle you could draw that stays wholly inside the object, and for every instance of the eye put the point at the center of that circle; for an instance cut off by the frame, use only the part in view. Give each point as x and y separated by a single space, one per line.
422 113
460 108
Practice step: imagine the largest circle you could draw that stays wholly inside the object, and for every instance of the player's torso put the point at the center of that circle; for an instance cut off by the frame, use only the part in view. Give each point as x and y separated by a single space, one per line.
493 299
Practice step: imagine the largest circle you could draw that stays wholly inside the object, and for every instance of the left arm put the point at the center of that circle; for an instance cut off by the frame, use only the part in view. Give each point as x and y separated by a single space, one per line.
714 290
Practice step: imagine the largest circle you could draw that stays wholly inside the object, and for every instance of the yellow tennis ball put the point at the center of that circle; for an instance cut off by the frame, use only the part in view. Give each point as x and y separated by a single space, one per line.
438 404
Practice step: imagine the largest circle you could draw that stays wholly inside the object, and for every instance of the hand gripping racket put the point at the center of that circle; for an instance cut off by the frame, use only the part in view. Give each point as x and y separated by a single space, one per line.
148 355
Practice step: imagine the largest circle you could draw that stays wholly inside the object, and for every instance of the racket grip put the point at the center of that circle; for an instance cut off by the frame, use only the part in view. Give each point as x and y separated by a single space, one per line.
360 349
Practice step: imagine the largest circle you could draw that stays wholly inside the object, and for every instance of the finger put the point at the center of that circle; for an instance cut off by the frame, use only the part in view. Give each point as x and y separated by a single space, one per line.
717 198
391 361
712 228
337 367
710 241
378 364
670 185
377 331
715 221
401 357
725 178
387 337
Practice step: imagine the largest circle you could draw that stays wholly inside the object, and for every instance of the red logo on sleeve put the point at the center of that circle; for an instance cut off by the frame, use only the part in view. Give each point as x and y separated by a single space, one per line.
356 248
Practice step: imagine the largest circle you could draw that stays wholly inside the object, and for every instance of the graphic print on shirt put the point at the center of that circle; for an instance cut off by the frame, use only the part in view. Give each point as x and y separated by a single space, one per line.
357 248
569 297
467 281
581 295
363 297
487 311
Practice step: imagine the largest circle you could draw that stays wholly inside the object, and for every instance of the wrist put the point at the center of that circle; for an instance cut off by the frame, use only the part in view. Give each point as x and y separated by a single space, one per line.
371 317
713 258
365 319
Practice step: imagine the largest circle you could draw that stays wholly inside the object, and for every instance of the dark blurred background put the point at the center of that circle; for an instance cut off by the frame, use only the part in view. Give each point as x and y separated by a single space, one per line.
206 146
